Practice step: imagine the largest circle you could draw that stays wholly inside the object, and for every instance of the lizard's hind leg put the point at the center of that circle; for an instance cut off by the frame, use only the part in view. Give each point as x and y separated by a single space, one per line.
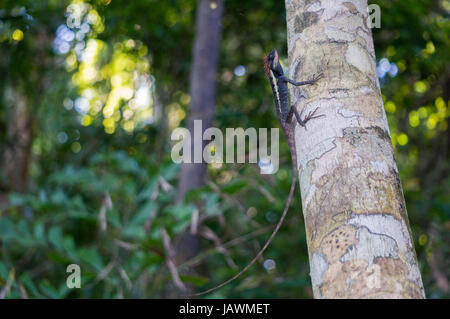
310 115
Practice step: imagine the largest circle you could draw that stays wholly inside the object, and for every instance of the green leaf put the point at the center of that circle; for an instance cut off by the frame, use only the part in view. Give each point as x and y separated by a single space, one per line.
234 187
147 191
144 213
55 236
16 199
179 216
4 273
30 286
91 257
47 288
113 216
195 280
39 232
8 230
212 204
135 228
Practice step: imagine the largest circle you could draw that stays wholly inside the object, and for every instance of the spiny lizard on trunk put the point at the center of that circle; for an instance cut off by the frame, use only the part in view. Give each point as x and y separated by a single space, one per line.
285 112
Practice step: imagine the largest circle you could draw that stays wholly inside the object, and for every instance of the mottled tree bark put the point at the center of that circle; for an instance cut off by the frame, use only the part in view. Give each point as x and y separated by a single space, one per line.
203 83
358 234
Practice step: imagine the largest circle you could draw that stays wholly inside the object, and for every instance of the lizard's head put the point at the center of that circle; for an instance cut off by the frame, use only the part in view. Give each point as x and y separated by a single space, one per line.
272 63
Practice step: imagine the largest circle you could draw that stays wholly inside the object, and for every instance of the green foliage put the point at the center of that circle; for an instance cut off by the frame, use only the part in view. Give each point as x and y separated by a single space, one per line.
42 233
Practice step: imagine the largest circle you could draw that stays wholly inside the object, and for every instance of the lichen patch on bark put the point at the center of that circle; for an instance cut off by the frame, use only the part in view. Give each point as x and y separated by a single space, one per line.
370 246
358 57
319 269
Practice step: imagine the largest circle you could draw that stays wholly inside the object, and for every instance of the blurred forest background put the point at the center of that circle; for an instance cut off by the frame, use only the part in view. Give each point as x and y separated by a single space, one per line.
89 93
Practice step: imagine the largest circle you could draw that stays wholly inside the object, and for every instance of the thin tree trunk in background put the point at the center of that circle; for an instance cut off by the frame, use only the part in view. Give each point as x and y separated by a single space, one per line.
203 83
358 234
21 100
16 154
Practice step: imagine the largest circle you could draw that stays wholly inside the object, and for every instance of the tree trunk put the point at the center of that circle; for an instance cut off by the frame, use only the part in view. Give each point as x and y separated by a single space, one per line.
16 153
203 83
358 234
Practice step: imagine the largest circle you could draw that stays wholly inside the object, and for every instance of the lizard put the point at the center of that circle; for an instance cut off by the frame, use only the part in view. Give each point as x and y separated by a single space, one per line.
285 113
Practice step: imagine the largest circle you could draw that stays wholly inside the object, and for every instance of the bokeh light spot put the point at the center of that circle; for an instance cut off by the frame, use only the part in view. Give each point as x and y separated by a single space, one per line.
17 35
76 147
86 120
422 239
402 139
390 107
240 70
269 264
420 87
414 119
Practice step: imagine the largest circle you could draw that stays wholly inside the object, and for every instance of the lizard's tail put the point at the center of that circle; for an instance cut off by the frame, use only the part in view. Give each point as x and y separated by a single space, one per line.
277 227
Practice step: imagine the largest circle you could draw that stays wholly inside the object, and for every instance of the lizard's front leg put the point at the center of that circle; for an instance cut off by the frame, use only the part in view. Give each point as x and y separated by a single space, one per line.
314 80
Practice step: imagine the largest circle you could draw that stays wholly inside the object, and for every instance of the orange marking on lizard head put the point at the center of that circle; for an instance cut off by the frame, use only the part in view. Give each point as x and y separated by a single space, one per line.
270 62
275 57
